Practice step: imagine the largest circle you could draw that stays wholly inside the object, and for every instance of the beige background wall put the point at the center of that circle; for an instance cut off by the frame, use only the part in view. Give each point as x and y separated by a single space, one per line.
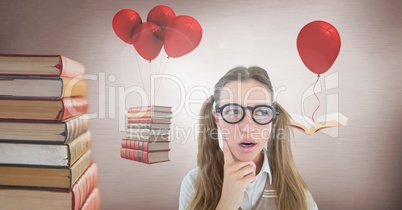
356 167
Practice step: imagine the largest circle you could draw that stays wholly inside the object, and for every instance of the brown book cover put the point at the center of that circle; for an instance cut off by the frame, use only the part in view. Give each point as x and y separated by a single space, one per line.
51 198
42 109
45 177
39 65
53 155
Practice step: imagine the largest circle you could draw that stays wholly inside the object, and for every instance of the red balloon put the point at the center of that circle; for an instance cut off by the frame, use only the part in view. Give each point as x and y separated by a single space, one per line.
124 22
182 35
161 15
148 40
318 44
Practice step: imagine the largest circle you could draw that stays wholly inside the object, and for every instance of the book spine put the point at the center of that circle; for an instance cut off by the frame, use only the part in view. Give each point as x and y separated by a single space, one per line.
93 201
140 120
136 155
73 87
79 167
149 114
76 127
72 107
133 144
79 146
147 132
69 67
84 186
139 109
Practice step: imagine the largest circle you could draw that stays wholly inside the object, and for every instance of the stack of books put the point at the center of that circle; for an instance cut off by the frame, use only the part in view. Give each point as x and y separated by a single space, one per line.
45 143
147 134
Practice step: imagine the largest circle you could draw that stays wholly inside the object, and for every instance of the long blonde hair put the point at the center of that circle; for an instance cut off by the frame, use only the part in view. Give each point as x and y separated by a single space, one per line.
287 181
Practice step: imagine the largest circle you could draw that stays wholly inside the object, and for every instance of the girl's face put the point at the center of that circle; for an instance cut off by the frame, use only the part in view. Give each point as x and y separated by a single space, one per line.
246 138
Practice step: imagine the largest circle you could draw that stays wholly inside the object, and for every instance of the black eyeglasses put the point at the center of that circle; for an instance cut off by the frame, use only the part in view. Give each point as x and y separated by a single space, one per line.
233 113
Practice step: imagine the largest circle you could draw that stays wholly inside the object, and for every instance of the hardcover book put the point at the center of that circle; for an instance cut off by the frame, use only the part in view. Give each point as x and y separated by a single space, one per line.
54 155
46 177
148 125
150 108
42 87
149 120
146 114
51 198
42 109
147 132
151 138
309 127
39 65
144 156
144 146
47 132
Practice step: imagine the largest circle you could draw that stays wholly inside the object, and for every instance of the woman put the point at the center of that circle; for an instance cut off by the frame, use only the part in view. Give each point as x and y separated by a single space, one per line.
244 175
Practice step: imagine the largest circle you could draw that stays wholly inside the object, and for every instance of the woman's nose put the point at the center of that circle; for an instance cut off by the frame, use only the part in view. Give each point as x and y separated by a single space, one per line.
247 123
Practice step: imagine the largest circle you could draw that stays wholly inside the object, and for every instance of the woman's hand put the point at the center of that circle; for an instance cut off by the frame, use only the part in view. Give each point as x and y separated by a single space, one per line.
237 176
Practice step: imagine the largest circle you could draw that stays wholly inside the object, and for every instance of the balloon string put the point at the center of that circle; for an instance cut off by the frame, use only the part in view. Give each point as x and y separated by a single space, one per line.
160 64
138 64
159 84
159 72
318 77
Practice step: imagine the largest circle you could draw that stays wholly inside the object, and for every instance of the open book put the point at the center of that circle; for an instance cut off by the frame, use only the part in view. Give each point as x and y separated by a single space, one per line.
309 127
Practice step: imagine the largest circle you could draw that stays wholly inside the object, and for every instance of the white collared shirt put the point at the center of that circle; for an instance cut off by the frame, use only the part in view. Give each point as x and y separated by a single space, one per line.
251 195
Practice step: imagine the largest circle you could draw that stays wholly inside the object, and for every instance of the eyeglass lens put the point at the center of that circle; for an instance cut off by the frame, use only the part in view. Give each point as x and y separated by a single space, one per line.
234 113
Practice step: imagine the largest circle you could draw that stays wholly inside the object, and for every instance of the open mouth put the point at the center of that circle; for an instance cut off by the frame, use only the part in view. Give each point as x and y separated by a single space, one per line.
247 144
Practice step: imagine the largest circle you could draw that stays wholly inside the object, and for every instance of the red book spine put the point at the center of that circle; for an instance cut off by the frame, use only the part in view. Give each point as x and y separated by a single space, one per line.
72 107
84 186
140 109
140 120
70 68
93 201
136 155
134 144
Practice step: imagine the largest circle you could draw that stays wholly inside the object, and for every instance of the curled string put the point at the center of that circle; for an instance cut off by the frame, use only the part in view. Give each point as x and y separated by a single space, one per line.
159 84
318 77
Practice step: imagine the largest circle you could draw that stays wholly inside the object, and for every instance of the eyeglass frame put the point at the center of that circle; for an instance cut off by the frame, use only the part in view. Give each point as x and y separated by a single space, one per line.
274 112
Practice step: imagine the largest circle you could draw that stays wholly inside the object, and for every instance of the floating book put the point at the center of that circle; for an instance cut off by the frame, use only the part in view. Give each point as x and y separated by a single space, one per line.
151 114
309 127
144 156
48 87
146 132
152 111
150 108
148 126
144 146
149 120
40 65
148 138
